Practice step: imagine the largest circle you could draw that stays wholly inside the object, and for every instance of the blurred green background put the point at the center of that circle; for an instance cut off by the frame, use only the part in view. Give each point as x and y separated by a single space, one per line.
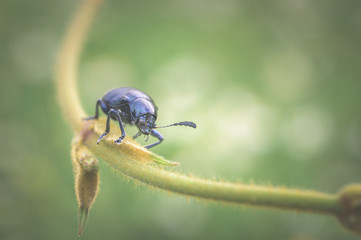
274 87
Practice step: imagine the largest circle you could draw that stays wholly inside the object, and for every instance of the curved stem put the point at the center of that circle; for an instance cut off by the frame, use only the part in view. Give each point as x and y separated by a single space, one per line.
291 199
70 103
66 70
346 205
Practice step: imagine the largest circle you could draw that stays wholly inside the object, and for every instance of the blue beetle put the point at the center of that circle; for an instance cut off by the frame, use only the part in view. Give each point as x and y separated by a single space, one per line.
134 107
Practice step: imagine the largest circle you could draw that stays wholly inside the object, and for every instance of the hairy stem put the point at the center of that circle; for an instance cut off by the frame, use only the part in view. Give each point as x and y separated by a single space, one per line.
257 195
291 199
125 157
66 70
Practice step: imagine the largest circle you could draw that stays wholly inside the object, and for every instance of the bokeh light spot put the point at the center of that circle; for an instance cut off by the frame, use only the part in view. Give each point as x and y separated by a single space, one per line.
307 131
287 74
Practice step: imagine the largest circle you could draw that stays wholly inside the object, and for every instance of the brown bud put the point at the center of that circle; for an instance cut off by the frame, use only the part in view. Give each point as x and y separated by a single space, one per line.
86 173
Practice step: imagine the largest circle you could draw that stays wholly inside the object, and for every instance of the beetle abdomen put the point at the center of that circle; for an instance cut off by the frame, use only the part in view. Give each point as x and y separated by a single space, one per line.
132 103
119 96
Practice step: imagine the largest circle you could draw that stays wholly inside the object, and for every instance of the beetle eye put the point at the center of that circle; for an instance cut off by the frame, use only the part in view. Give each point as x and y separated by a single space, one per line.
150 121
141 120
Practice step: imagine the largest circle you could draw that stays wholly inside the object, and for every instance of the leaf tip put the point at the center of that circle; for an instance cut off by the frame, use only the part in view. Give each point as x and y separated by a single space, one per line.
82 220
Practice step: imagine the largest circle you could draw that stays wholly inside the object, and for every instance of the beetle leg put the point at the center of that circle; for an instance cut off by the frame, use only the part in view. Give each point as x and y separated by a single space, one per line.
107 127
117 113
102 105
137 135
156 134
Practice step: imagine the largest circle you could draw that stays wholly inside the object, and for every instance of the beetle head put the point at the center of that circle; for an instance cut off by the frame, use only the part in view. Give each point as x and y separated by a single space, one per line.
146 123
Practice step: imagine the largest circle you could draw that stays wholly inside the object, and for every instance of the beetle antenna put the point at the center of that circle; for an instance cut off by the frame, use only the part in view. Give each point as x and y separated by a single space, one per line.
185 123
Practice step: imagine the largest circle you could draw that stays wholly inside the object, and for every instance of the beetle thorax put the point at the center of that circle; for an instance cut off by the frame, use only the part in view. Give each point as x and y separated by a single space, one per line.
140 107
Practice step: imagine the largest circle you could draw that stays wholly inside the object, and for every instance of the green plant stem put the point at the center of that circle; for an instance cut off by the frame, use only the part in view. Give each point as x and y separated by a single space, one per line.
273 197
250 194
67 65
344 205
